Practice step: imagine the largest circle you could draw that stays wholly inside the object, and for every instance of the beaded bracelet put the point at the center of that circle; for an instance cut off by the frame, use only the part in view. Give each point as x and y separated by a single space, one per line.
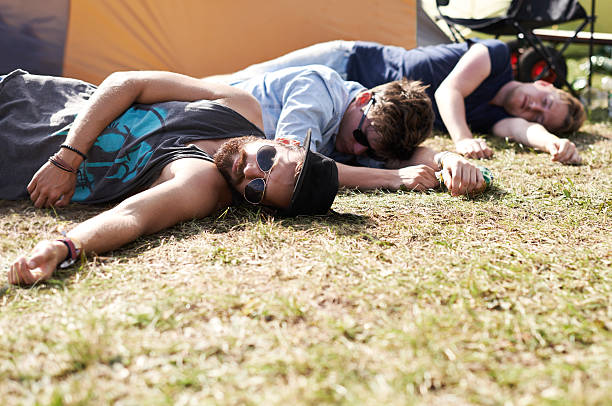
73 149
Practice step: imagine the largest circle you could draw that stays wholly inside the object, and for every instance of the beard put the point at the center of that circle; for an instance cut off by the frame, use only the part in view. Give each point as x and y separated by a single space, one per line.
225 156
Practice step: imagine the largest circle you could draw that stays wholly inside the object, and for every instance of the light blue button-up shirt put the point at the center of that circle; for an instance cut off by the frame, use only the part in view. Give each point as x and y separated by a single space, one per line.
298 98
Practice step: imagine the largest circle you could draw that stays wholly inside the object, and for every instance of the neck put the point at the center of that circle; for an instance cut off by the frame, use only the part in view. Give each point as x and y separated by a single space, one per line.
210 146
345 116
342 128
503 92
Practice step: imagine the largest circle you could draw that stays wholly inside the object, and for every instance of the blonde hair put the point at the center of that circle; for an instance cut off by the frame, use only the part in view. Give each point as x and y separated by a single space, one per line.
575 113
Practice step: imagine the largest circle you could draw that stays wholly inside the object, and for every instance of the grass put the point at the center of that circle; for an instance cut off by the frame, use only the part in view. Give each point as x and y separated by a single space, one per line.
395 299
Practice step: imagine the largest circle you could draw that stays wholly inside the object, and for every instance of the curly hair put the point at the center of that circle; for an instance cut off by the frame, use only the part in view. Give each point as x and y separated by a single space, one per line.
403 116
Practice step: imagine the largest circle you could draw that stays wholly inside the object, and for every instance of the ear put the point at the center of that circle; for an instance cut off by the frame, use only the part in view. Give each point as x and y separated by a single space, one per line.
363 98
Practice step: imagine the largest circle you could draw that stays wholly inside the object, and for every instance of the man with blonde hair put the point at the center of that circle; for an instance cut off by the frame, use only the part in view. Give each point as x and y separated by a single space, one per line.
471 87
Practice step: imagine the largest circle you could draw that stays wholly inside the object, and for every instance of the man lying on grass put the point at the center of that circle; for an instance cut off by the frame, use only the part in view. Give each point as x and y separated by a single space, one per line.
156 159
470 85
147 141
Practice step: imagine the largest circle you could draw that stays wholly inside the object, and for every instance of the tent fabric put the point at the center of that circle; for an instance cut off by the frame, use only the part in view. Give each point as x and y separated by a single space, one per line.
32 35
202 38
89 39
428 32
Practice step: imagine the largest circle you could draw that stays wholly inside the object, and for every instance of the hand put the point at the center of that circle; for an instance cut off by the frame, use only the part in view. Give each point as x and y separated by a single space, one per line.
465 177
473 148
418 177
51 186
39 264
564 151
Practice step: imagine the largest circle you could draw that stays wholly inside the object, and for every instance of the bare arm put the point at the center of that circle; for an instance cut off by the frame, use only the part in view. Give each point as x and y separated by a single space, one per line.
418 177
115 95
471 70
122 89
534 135
416 173
194 189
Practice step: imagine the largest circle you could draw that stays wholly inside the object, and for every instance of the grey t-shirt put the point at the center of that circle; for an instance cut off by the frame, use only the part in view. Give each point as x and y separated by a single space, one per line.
36 113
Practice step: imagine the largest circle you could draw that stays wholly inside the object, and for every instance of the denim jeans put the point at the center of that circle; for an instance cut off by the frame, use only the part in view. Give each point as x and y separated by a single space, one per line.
333 54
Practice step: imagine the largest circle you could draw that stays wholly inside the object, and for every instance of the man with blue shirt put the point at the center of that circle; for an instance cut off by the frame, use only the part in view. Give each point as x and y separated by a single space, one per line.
471 87
376 131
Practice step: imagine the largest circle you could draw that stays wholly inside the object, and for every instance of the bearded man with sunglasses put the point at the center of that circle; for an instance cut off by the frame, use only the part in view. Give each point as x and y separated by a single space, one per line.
147 141
375 132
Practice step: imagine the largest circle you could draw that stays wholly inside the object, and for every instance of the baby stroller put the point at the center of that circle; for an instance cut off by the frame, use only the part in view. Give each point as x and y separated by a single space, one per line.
531 59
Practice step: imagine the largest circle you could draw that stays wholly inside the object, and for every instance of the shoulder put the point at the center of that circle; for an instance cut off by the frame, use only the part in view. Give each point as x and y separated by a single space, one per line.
497 49
188 169
197 181
318 73
322 84
285 82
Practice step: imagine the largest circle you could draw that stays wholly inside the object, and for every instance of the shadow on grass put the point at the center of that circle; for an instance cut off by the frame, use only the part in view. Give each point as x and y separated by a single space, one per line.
239 217
581 138
73 212
588 138
492 193
233 219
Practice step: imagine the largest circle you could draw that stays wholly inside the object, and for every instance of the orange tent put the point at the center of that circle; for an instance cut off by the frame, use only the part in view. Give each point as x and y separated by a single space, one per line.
88 39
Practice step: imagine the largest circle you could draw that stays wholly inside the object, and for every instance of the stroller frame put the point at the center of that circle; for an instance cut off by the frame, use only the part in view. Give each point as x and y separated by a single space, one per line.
508 25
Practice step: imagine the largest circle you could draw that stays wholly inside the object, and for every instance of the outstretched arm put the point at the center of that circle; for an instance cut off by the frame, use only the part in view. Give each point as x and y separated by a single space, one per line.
51 186
194 188
417 173
534 135
471 70
417 177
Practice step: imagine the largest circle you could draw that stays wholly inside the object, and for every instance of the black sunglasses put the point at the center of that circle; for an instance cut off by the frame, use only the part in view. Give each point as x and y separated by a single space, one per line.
360 136
255 189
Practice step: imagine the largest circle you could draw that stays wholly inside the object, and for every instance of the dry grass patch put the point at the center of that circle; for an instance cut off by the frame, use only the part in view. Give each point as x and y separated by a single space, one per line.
397 298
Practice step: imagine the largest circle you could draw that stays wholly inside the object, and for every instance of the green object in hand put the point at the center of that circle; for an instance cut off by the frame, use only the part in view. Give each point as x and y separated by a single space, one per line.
486 174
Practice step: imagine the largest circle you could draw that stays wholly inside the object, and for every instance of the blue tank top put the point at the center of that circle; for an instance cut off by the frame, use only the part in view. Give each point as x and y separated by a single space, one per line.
36 113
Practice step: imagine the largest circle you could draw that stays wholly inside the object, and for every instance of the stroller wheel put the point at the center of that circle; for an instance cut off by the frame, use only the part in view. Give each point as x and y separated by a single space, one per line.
516 50
532 64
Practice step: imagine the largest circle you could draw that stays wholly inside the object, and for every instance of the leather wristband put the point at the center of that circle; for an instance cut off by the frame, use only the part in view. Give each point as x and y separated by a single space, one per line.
73 252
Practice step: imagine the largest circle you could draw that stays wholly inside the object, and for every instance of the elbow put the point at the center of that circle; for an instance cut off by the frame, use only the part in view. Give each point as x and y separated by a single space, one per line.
122 80
132 221
438 93
118 78
441 94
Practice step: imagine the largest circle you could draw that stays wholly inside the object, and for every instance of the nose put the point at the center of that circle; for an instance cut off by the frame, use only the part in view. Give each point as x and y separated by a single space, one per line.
536 107
359 149
252 171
